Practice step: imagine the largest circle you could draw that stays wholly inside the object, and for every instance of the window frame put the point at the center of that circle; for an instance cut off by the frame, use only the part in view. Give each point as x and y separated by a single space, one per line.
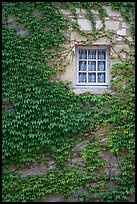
107 61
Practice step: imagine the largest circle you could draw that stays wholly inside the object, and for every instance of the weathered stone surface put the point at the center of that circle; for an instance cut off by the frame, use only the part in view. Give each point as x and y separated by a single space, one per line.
85 24
76 36
119 38
83 11
121 32
51 198
123 55
112 185
37 13
21 31
99 24
111 25
74 197
73 162
115 60
113 22
130 38
119 48
112 166
110 12
11 21
102 41
92 90
77 10
82 144
102 131
35 169
124 25
65 12
95 12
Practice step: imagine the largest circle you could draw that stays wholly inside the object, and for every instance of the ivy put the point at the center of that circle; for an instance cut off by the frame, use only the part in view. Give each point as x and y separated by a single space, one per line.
42 116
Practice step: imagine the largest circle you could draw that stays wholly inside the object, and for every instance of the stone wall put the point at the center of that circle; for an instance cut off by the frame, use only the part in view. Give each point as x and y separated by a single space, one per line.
115 23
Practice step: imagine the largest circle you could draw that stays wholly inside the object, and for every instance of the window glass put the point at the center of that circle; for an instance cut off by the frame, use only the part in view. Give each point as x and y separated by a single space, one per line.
91 54
82 77
101 66
92 77
91 66
101 54
82 66
82 54
101 77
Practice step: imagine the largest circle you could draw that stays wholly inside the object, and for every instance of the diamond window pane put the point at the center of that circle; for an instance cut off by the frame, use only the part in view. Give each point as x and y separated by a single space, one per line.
101 54
82 77
82 66
101 66
91 66
82 54
92 77
101 77
91 54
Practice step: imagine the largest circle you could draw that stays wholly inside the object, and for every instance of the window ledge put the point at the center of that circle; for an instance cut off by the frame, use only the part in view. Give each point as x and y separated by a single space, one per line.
92 89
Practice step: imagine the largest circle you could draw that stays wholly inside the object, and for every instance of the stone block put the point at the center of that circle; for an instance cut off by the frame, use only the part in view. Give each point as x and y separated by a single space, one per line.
123 55
111 25
83 11
102 41
95 12
82 15
119 38
76 36
85 24
65 12
121 32
119 48
121 19
77 10
99 24
124 25
110 12
81 145
114 61
130 38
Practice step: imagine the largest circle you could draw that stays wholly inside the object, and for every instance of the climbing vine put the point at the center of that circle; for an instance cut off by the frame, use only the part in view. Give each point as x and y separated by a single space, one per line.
42 115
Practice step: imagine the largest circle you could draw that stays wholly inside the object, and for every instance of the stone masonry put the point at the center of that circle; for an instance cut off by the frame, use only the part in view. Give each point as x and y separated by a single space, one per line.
114 23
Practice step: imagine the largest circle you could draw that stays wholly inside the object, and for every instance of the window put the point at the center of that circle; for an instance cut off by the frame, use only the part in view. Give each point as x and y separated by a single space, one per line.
92 66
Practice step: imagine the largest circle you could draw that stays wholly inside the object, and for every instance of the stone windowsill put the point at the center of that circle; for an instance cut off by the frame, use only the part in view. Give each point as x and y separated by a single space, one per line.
94 90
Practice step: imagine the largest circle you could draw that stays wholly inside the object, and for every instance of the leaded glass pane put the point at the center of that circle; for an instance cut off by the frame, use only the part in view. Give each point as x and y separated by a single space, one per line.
91 77
82 77
82 66
91 54
82 54
101 54
101 66
91 66
101 77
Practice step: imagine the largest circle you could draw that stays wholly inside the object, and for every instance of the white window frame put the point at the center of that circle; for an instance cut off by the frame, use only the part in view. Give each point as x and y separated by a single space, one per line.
107 65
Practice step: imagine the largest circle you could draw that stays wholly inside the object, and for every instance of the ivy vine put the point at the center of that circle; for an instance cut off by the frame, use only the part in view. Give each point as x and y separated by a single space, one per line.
42 116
